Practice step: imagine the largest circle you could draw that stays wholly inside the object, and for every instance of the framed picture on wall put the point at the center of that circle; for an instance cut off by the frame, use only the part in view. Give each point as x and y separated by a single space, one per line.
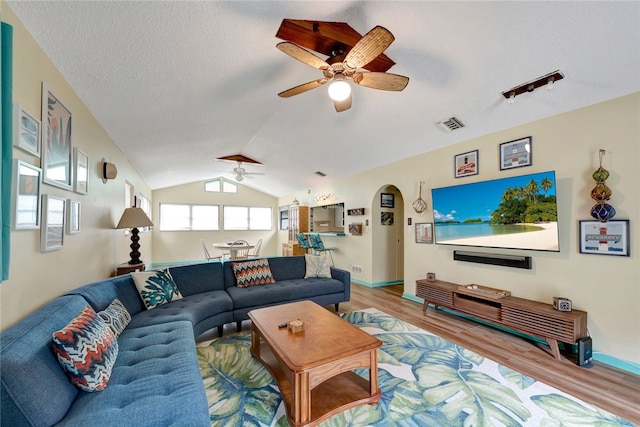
73 216
56 126
515 154
27 133
604 238
80 172
466 164
53 218
355 229
387 200
27 196
386 218
424 232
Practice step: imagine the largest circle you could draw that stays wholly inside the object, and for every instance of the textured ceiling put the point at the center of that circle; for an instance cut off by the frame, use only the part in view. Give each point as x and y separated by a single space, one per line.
178 84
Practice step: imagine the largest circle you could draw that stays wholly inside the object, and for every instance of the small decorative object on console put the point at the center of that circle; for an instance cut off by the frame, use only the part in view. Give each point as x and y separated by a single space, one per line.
483 291
431 277
562 304
296 326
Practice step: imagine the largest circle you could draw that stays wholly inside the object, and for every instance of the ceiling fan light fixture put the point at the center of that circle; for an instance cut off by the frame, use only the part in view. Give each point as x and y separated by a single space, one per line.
239 177
339 89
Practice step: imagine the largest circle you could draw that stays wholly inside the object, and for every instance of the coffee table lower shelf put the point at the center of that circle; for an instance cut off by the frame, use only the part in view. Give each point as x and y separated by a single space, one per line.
336 394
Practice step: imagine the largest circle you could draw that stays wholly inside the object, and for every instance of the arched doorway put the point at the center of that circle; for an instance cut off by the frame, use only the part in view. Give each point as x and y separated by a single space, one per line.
387 236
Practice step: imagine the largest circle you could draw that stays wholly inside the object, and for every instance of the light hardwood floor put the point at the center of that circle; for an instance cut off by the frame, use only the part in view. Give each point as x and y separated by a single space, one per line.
609 388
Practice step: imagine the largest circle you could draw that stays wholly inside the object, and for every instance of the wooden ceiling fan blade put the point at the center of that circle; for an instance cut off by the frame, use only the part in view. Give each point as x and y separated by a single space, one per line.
343 105
368 48
382 81
302 88
302 55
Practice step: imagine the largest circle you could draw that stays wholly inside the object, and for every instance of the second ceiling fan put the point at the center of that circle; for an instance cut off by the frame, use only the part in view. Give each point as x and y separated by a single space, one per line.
343 65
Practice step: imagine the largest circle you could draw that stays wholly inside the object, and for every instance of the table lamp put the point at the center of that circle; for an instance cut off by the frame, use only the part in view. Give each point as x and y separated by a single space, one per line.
133 218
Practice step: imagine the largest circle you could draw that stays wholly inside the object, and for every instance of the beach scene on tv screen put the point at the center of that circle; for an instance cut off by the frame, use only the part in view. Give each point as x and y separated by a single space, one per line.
515 213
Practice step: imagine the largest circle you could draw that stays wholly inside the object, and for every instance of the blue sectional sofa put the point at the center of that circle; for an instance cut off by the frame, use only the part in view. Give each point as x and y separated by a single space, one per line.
156 379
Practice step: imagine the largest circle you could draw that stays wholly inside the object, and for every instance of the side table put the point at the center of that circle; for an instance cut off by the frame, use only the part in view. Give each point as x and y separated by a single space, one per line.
126 268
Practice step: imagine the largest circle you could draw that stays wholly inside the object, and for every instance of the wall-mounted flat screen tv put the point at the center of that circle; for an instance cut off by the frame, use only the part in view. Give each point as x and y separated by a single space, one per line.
515 213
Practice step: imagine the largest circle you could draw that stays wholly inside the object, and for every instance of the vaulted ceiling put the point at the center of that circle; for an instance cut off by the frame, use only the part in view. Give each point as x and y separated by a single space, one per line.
177 84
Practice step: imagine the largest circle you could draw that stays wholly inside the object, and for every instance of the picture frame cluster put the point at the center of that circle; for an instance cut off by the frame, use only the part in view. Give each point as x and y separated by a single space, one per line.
511 154
56 162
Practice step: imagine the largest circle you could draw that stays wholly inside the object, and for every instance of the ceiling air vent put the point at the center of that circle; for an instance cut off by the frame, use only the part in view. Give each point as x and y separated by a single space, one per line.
449 125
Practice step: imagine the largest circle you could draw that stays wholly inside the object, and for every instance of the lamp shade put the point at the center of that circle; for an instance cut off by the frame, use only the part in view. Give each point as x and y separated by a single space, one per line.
133 218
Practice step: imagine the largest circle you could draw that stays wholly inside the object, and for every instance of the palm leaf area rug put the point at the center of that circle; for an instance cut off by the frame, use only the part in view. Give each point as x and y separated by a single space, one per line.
425 381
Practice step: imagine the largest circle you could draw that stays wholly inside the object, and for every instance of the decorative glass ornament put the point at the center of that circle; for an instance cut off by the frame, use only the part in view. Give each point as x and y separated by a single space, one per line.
601 174
601 192
420 205
603 212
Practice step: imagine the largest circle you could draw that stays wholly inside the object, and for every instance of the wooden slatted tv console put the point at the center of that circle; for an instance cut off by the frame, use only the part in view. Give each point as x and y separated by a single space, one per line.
522 315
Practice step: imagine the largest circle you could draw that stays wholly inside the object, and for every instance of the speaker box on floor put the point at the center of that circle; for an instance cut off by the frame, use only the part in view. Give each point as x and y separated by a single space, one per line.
585 353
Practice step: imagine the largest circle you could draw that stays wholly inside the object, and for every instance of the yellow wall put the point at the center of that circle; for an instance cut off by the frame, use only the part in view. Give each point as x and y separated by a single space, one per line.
607 287
172 246
36 277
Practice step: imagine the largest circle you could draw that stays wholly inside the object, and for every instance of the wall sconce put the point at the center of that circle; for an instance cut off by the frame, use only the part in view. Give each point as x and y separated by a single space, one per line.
108 171
546 80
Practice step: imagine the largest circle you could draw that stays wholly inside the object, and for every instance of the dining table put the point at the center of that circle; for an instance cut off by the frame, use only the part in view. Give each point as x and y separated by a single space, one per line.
231 247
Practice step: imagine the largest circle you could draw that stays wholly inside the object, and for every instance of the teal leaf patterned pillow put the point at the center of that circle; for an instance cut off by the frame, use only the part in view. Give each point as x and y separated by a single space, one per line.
251 273
317 266
86 350
115 316
156 287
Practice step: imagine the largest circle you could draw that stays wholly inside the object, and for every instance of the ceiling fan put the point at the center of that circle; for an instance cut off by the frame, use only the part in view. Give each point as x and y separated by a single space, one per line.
239 171
343 65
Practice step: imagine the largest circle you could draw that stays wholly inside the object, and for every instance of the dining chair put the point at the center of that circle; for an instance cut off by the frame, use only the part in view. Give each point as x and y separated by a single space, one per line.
303 242
256 249
241 250
318 246
207 255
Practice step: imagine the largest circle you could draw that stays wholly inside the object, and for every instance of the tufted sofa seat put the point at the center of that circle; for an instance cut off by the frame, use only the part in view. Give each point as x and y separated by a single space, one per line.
156 378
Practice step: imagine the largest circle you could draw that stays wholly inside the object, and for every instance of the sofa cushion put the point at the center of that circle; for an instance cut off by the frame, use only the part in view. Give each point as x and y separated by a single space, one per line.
35 390
193 308
317 266
115 316
156 381
283 291
101 293
197 278
251 273
86 349
156 287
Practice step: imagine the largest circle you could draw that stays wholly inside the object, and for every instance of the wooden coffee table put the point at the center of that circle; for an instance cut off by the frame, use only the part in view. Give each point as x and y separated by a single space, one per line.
313 368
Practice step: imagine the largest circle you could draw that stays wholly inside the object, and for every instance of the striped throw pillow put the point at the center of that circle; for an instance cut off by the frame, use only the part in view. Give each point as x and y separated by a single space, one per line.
251 273
86 350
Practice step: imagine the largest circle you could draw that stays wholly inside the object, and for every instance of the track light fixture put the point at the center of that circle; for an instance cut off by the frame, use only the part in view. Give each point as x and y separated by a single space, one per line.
547 80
